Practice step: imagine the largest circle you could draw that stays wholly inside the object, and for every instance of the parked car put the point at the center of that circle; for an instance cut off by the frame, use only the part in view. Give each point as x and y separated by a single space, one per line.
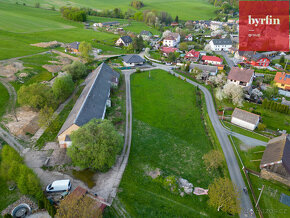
59 186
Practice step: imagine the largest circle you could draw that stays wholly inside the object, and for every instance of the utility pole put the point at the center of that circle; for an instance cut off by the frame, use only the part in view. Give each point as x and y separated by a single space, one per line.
259 196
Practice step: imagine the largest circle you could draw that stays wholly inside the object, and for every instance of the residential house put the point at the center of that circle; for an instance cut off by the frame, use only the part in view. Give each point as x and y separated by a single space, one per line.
106 24
146 35
221 44
124 41
253 58
167 50
214 60
91 104
188 38
215 25
245 119
132 60
282 80
171 40
192 55
73 47
275 163
211 70
240 76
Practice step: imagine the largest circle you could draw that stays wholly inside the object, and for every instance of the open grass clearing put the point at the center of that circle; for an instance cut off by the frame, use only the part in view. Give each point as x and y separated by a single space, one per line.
185 9
168 134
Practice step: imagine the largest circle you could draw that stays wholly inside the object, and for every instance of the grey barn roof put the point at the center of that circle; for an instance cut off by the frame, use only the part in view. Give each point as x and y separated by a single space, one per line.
92 101
110 23
206 68
74 45
246 116
145 33
225 41
126 39
133 58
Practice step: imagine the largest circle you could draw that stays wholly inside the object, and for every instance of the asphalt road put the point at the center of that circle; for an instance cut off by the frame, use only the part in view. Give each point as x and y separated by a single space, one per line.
222 135
228 60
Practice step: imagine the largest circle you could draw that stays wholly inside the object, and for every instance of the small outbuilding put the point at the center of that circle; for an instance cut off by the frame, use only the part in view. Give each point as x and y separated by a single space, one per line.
245 119
132 60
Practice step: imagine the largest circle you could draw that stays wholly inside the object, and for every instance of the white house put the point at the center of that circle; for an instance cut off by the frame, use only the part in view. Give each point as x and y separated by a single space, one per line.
245 119
215 25
171 40
240 76
220 44
132 60
124 41
212 60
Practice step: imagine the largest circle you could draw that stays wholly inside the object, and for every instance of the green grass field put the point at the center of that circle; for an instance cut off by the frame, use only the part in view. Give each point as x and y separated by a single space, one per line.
23 26
4 98
185 9
168 134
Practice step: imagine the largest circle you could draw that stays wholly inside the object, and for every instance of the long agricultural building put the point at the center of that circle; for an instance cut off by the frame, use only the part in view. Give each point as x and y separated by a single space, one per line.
92 102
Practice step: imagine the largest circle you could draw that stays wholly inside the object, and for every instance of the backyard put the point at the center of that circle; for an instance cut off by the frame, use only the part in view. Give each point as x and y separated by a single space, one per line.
168 134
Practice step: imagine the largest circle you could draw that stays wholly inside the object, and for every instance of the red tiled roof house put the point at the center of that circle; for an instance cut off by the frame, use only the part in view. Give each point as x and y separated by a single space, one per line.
212 60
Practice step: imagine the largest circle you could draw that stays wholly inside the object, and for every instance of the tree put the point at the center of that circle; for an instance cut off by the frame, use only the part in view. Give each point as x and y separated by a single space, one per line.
171 57
138 43
223 195
282 60
213 159
36 95
62 87
95 145
45 116
77 70
176 19
85 49
261 127
137 4
37 5
183 46
234 92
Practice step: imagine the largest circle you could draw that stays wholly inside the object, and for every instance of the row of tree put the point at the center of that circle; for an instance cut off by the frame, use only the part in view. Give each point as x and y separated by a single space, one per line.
74 14
13 170
275 106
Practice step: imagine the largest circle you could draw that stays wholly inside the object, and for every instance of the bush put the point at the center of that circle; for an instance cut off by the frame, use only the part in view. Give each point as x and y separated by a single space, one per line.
261 127
74 14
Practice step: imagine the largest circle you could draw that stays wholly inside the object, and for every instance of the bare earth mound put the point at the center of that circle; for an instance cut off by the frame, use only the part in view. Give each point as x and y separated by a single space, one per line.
8 70
51 44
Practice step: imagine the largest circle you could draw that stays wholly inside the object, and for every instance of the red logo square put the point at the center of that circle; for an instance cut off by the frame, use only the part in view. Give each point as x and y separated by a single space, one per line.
264 26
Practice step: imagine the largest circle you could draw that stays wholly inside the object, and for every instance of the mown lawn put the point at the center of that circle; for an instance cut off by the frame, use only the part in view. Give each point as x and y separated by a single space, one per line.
15 41
4 98
185 9
168 134
245 132
7 197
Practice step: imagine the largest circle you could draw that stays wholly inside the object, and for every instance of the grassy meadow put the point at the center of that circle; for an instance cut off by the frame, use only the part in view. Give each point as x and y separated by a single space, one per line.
185 9
168 134
21 26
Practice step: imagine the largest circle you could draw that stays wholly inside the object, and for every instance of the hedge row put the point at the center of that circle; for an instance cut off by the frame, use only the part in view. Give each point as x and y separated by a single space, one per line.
275 106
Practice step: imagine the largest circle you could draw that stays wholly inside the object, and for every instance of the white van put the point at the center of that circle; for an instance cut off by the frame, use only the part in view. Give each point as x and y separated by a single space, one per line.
59 185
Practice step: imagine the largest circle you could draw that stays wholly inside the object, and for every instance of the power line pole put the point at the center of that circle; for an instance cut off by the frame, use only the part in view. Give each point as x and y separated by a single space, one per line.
259 196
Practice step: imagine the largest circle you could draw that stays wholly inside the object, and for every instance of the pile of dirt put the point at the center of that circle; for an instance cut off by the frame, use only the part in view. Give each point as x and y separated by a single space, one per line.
64 60
52 44
8 70
27 122
154 173
52 68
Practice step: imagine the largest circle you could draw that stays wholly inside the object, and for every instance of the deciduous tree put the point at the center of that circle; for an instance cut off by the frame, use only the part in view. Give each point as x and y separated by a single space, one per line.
224 196
45 116
85 49
62 87
77 70
95 145
213 159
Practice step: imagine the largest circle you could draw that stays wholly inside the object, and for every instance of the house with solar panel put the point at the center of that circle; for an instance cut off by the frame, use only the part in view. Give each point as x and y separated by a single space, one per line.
92 102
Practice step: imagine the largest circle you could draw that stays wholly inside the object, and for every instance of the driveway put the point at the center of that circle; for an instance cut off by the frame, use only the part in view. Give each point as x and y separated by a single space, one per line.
227 58
222 135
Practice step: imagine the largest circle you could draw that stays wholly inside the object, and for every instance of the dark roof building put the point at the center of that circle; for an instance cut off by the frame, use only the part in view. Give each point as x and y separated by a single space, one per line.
145 33
133 59
126 39
74 45
225 41
241 74
92 101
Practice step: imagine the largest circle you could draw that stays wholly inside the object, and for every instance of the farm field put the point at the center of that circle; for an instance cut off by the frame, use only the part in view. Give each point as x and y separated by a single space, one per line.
36 25
185 9
168 134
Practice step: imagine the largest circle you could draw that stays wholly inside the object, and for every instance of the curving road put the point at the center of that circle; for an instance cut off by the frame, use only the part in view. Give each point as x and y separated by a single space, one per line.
222 135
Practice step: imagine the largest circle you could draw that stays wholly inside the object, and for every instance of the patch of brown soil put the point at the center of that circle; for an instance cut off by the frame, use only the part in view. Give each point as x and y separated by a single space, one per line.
64 60
52 44
8 70
52 68
27 122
